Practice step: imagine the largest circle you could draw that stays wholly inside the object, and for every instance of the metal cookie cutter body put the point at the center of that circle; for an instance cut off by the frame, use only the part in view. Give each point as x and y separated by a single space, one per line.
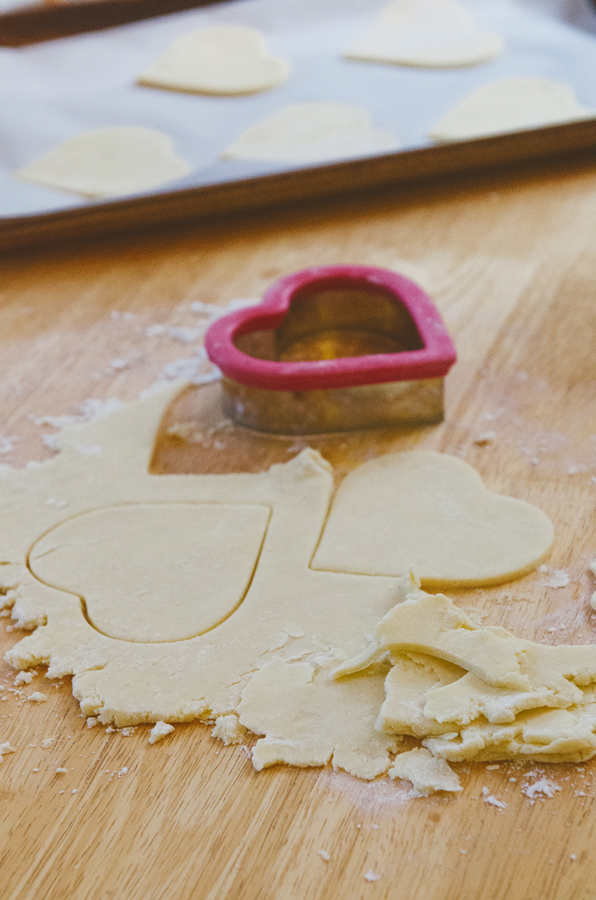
334 348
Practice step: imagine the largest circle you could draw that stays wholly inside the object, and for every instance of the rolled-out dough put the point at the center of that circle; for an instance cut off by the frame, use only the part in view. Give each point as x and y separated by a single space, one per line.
431 511
514 104
426 33
221 59
313 132
109 162
179 597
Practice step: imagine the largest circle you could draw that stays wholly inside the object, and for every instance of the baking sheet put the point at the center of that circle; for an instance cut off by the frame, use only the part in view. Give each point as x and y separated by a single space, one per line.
53 91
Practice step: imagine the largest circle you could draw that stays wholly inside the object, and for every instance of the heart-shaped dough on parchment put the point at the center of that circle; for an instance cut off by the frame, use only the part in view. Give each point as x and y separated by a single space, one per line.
108 162
513 104
425 33
313 132
223 59
431 511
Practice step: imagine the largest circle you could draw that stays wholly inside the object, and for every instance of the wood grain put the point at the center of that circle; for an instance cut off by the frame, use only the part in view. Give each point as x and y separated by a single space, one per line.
511 265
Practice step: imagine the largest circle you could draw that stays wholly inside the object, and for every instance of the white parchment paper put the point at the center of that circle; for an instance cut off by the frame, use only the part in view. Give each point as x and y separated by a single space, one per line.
53 91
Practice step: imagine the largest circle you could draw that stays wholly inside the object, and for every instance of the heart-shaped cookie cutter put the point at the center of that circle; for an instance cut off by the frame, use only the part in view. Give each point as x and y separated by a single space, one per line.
334 348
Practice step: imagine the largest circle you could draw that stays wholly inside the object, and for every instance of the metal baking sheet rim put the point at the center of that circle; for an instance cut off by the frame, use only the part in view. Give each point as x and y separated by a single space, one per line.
297 184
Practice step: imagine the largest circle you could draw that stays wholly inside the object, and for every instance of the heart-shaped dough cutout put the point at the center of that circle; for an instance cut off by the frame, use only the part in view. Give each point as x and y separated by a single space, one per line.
426 33
431 511
171 581
109 162
313 132
222 59
514 104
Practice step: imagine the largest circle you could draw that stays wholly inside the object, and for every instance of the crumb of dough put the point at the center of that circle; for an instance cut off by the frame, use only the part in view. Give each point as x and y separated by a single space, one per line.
61 770
182 430
514 104
311 133
371 876
427 774
92 721
558 578
220 59
24 678
487 437
6 748
159 731
108 162
37 697
425 33
229 730
47 743
545 786
324 854
492 800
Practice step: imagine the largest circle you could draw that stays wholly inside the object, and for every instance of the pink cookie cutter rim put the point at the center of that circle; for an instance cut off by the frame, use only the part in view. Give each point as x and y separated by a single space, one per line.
433 360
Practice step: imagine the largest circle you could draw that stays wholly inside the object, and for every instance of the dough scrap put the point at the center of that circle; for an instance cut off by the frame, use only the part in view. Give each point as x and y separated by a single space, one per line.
425 33
473 710
445 524
221 59
427 773
108 162
307 723
514 104
313 132
552 735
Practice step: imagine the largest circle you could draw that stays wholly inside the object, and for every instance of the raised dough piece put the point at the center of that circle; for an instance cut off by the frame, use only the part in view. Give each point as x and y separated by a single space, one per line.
514 104
426 33
109 162
431 511
475 714
434 625
309 722
313 132
427 774
221 59
542 735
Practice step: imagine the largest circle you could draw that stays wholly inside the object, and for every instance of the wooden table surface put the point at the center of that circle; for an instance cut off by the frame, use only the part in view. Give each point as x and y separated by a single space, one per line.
511 264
